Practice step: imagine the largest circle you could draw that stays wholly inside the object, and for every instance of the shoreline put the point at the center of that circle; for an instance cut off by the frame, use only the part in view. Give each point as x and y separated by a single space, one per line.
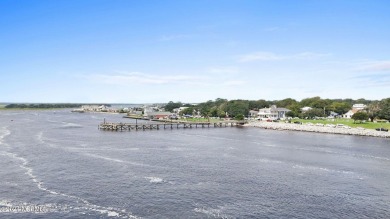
318 129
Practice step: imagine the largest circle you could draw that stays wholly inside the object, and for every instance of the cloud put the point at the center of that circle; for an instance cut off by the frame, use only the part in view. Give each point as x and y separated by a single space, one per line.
274 29
383 65
137 78
142 78
372 80
223 70
260 56
269 56
234 83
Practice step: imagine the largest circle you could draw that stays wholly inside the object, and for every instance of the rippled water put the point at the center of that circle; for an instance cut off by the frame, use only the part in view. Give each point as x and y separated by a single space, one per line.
55 164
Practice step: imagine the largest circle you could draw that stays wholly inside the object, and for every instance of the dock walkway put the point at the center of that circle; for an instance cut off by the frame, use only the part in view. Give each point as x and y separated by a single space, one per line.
107 126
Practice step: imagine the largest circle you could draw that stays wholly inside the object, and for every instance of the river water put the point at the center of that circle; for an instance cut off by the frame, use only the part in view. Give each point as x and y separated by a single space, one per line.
57 164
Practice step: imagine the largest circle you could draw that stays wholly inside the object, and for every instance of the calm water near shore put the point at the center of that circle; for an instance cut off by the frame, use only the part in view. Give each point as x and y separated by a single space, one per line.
57 164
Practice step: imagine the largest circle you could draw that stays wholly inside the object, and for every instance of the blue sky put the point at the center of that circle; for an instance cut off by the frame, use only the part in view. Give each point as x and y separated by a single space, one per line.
119 51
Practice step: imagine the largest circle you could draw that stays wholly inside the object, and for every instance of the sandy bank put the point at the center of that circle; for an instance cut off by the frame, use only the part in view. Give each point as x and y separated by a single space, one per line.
319 129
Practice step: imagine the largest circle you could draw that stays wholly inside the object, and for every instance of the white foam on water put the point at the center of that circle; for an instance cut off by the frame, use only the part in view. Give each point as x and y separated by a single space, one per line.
71 125
4 132
211 212
264 160
115 160
373 157
39 137
323 169
153 179
109 211
85 148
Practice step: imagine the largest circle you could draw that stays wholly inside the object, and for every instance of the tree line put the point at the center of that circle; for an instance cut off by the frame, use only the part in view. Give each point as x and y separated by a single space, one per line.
42 106
320 107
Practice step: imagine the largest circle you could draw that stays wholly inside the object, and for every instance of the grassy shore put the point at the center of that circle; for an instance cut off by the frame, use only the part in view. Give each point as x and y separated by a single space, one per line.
348 122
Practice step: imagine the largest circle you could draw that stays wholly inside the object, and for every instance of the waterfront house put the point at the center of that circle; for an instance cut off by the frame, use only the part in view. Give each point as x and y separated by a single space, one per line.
355 108
350 113
253 114
158 115
358 106
273 113
178 110
306 108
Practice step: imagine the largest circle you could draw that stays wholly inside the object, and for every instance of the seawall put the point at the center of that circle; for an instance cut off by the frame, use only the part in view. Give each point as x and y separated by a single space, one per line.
319 129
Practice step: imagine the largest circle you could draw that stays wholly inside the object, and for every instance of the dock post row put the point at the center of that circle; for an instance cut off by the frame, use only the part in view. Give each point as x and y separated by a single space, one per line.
156 126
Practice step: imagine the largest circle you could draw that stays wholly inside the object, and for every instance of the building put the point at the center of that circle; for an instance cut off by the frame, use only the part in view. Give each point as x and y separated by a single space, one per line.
253 114
358 106
273 113
355 108
178 110
350 113
158 115
306 108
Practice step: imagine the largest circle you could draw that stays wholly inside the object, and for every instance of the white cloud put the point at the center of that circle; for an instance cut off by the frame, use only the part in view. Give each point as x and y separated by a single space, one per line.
383 65
142 78
309 55
260 56
274 29
269 56
234 83
219 70
137 78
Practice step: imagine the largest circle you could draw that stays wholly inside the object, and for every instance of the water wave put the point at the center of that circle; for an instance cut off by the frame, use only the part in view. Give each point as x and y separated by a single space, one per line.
211 212
68 125
109 211
4 132
153 179
324 169
115 160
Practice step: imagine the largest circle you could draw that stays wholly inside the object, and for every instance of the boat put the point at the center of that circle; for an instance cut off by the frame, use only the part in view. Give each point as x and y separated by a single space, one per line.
382 129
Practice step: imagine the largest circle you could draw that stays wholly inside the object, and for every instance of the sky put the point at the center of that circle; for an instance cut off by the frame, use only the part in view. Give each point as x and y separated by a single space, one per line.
155 51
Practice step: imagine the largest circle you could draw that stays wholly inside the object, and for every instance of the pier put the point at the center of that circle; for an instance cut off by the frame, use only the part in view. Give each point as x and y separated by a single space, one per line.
106 126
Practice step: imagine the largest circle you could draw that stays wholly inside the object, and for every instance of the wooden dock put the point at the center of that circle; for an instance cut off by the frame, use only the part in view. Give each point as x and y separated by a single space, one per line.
106 126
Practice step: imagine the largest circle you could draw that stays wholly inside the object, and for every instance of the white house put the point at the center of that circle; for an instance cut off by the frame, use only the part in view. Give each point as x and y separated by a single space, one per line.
306 108
273 112
178 110
350 113
358 106
355 108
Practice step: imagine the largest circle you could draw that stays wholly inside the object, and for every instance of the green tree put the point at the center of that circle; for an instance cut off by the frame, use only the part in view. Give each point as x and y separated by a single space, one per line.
172 105
313 113
286 103
309 101
384 112
291 114
239 117
340 107
258 104
187 111
237 107
373 110
359 116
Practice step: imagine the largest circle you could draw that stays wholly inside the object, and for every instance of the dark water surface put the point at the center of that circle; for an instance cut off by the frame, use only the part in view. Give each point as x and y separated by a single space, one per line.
57 164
